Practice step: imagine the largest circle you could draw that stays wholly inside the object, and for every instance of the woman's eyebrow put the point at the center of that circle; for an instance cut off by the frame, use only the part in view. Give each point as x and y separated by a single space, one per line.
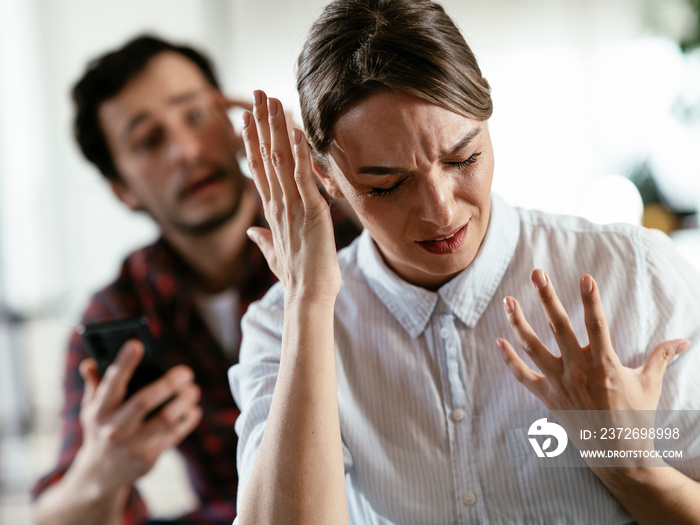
463 143
381 170
385 170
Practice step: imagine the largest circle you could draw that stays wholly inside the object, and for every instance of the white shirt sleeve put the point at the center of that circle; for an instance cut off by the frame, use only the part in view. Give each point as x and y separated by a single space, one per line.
253 380
674 313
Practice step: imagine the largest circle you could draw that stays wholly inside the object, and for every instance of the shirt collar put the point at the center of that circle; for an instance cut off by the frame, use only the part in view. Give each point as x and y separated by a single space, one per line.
466 296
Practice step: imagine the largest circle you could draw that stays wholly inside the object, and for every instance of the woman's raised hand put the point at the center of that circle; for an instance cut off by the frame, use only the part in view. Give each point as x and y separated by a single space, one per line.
589 377
299 246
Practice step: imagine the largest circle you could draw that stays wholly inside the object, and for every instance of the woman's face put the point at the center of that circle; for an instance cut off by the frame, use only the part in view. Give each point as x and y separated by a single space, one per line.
419 178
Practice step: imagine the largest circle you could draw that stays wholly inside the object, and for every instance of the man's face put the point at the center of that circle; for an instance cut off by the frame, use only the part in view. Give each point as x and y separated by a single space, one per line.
419 178
173 147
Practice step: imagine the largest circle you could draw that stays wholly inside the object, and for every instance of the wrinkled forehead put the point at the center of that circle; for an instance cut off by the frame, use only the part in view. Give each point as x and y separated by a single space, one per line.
398 129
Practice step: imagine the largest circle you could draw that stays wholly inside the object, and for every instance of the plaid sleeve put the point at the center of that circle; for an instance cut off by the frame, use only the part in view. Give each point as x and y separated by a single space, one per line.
135 511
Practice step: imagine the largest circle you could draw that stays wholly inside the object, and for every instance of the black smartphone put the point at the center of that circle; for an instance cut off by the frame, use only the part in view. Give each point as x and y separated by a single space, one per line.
104 340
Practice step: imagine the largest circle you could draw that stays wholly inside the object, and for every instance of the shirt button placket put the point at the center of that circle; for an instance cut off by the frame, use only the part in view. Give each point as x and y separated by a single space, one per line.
458 412
457 415
469 499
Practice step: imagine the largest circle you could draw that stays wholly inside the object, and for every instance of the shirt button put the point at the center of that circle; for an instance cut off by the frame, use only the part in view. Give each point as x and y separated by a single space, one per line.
444 333
457 415
469 498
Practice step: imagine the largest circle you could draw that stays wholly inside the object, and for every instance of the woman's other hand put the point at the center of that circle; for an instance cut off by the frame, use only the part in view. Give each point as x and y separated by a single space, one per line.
589 377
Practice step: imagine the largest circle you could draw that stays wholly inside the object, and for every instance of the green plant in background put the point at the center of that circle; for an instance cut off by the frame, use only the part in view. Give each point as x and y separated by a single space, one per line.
643 178
692 40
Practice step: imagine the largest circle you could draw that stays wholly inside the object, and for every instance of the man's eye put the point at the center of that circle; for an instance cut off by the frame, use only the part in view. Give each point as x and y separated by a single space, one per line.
149 142
195 116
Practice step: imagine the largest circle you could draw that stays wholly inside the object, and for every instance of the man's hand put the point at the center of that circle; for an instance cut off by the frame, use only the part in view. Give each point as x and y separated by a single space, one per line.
120 443
225 103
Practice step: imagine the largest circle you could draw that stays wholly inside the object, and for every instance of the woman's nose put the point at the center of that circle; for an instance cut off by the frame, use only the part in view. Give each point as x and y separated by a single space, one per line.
437 200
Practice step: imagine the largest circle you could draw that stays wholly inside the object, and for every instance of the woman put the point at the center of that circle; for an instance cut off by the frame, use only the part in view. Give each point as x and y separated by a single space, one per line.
383 397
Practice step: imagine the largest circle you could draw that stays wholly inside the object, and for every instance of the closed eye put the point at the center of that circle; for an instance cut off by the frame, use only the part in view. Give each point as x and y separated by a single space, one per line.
384 192
467 162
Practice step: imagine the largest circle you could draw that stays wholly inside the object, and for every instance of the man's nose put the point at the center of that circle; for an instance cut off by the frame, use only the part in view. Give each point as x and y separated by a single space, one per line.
437 200
184 144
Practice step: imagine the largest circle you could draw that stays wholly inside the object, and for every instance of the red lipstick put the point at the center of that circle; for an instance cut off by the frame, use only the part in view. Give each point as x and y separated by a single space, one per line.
445 244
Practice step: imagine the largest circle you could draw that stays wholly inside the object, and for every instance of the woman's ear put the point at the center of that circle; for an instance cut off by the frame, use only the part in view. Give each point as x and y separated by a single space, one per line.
322 171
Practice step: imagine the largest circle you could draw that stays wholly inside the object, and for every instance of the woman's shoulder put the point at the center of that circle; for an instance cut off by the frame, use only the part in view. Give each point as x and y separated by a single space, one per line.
570 231
574 224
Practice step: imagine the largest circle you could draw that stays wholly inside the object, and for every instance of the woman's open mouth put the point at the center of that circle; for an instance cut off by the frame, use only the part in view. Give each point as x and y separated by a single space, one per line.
447 244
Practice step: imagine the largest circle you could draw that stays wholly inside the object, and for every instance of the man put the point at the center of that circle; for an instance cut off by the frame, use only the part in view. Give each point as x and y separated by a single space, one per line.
151 117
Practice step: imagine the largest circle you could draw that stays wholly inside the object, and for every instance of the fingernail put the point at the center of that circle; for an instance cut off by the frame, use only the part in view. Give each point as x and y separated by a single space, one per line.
83 368
271 107
508 305
183 376
539 278
586 284
250 232
682 346
296 136
246 119
257 97
500 345
128 350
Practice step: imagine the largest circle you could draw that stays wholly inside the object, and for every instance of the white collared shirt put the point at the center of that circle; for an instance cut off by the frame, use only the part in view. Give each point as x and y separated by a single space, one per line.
431 418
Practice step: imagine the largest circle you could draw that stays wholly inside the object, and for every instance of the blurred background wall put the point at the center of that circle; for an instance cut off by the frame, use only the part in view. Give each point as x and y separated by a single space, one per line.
597 112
